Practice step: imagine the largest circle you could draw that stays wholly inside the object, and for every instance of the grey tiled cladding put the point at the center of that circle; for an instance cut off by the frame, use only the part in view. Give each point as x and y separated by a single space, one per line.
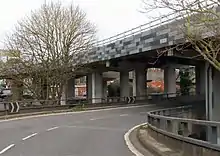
159 37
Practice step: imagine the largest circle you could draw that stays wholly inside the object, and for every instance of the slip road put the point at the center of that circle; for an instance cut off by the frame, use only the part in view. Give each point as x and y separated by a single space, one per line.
92 133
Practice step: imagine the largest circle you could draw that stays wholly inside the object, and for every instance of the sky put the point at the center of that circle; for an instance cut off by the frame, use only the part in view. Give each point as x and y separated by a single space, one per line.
110 16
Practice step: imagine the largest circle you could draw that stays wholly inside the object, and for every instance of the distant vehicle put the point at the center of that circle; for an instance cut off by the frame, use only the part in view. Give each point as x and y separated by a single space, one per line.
5 93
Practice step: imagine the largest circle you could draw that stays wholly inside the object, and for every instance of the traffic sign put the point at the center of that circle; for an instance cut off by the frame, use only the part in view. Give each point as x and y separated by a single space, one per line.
130 99
13 107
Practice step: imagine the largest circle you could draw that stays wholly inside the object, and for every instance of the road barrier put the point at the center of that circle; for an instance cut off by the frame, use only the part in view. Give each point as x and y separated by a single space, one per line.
194 137
29 106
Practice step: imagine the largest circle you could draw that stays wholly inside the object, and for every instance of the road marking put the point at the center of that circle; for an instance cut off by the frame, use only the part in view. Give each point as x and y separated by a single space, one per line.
128 142
7 148
53 128
92 119
124 115
96 128
29 136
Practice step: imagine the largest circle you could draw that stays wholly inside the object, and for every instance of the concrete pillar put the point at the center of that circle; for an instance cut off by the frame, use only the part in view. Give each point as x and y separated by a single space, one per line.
105 89
124 84
200 79
170 81
97 87
216 95
89 87
134 83
212 101
70 88
68 93
140 82
209 91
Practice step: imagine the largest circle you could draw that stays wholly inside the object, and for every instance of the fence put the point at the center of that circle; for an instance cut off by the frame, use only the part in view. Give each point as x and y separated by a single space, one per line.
194 137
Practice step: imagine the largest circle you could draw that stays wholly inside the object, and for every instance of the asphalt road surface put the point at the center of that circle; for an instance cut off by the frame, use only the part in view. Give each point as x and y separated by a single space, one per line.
94 133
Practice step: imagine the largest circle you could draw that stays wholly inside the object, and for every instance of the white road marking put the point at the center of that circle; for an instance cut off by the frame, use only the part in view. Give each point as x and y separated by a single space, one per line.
96 128
92 119
7 148
53 128
29 136
80 112
124 115
128 142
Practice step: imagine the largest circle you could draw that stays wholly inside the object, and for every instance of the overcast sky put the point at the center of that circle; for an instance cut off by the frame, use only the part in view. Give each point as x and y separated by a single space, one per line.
110 16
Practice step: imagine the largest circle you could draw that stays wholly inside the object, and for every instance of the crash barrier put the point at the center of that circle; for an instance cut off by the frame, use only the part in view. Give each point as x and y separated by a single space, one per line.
184 131
26 106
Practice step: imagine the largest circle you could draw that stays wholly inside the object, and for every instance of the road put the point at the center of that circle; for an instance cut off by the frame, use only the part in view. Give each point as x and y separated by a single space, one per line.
94 133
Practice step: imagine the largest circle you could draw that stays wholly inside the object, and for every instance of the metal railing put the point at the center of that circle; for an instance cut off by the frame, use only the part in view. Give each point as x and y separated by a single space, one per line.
140 29
184 128
161 21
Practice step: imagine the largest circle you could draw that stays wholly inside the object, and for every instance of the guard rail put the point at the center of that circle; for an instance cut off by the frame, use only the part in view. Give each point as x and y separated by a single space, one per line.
193 136
26 106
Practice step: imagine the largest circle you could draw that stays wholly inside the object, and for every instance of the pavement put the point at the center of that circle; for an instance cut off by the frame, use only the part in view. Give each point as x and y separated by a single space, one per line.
90 133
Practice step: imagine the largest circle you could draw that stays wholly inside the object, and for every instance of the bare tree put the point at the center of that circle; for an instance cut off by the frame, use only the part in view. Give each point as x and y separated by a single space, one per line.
201 26
49 42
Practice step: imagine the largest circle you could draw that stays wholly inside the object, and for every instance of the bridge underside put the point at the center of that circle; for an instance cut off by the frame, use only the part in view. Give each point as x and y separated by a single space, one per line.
151 59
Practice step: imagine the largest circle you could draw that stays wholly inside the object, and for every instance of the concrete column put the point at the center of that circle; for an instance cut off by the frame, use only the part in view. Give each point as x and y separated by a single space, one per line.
209 91
212 101
124 84
89 87
68 93
97 87
216 95
70 88
105 89
134 83
200 79
170 81
141 79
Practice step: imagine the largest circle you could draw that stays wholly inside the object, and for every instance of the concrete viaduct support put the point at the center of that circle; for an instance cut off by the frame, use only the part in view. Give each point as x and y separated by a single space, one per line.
170 81
140 82
105 89
212 85
200 79
124 84
95 87
68 91
89 87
